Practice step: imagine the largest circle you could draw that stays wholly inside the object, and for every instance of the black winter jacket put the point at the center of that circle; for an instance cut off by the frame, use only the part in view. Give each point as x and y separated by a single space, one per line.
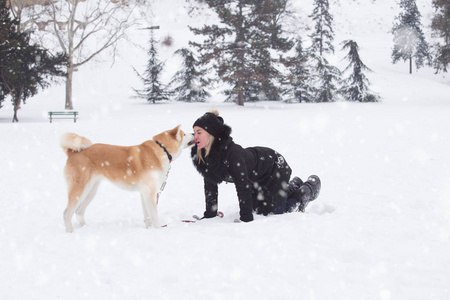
260 175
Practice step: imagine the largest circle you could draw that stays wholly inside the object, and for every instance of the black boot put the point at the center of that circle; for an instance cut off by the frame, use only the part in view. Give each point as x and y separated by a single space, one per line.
308 192
294 184
314 185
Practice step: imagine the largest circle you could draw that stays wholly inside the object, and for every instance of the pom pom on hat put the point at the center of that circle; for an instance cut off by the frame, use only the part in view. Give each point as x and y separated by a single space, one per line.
214 111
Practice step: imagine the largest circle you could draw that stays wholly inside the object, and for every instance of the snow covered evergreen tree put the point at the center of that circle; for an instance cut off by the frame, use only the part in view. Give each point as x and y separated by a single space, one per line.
324 77
409 40
441 27
299 75
356 85
153 90
323 35
189 79
240 49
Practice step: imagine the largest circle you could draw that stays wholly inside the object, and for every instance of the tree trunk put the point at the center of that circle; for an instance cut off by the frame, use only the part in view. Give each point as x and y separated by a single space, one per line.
240 39
70 51
69 104
15 119
17 98
240 100
410 65
240 76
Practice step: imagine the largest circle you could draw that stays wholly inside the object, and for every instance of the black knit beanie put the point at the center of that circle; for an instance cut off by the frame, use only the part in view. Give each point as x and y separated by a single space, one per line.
211 122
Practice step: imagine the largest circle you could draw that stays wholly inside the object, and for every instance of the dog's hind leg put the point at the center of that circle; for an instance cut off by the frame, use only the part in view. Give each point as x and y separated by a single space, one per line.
90 191
68 213
77 183
74 199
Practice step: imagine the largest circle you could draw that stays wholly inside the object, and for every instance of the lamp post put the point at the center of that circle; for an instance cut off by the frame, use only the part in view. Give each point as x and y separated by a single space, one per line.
151 28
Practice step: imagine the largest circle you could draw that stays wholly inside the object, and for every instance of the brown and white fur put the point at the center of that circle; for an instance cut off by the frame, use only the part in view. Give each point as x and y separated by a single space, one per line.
142 168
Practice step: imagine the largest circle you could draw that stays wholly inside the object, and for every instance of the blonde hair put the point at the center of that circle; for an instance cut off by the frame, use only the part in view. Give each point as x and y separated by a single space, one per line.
207 149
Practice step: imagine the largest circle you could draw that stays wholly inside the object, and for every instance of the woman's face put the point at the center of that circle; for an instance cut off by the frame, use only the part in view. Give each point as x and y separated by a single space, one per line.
201 137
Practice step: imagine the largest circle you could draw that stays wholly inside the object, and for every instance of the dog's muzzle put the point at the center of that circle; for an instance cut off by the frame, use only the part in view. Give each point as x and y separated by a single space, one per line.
192 141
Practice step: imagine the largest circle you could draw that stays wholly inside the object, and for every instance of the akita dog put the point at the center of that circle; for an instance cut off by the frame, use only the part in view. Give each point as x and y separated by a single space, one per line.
142 168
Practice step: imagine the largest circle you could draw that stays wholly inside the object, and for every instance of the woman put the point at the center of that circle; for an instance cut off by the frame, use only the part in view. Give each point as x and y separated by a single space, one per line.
261 175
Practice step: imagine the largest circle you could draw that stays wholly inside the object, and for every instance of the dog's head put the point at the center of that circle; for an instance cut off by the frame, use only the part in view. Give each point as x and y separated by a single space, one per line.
187 138
175 140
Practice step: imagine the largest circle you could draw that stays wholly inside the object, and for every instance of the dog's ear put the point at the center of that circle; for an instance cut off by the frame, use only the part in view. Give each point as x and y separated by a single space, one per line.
176 132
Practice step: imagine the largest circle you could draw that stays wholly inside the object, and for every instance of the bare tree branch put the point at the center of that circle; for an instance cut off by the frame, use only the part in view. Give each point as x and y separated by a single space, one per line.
81 29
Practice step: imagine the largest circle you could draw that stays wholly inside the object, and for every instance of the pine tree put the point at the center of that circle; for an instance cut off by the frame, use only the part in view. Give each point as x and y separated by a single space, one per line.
24 68
325 78
239 49
323 36
153 90
409 40
190 88
356 85
441 27
299 75
9 37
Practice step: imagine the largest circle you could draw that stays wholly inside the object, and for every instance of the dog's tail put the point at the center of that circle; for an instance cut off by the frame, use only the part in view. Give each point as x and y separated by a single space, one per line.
74 142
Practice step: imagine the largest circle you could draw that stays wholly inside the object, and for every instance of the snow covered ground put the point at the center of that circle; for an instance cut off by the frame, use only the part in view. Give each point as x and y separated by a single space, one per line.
379 230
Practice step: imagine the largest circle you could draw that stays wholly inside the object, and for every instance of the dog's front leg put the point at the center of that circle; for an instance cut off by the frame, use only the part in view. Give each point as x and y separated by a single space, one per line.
150 208
144 209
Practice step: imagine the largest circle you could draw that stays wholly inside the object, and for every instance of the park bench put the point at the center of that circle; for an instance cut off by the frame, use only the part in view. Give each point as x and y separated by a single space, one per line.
63 115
